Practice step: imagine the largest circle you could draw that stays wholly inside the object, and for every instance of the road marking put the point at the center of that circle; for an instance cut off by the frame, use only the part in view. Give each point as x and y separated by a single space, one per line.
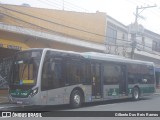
2 107
6 106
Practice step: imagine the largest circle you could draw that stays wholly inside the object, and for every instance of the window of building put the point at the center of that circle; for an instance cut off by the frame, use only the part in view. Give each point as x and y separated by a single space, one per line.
111 35
143 40
155 46
123 36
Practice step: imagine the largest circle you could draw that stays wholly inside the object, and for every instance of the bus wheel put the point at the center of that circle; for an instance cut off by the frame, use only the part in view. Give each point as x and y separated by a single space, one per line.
135 93
76 99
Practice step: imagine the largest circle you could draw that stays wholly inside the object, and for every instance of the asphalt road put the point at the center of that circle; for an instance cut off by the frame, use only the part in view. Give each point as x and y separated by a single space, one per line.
151 103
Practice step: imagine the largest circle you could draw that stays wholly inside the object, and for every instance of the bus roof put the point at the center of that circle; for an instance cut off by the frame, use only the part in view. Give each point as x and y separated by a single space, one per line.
113 58
99 56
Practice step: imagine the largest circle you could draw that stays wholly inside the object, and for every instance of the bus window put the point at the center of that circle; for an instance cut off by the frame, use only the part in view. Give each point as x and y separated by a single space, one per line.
148 77
134 74
73 73
77 73
27 73
141 74
52 76
111 74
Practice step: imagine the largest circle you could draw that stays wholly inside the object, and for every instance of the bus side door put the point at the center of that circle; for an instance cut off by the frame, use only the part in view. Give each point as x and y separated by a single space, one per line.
123 84
96 80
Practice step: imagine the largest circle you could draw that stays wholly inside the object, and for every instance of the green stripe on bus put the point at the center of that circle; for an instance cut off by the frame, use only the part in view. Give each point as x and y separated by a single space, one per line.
113 92
147 89
20 92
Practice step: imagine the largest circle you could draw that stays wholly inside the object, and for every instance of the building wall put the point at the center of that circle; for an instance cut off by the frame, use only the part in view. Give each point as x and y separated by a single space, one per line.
42 43
116 37
12 44
85 26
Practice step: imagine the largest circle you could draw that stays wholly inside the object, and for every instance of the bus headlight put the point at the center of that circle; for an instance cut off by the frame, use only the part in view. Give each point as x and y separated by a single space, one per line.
33 92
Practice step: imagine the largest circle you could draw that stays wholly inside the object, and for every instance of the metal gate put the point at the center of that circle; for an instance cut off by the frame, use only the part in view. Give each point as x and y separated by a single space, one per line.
5 66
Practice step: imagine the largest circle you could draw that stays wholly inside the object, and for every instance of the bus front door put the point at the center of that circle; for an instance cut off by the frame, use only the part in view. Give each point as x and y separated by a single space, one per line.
96 81
123 84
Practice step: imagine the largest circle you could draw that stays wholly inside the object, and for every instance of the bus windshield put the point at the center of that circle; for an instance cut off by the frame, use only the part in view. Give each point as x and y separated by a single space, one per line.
25 68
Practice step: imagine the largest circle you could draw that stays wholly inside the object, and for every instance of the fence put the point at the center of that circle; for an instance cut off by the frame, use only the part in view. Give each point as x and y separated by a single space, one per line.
5 66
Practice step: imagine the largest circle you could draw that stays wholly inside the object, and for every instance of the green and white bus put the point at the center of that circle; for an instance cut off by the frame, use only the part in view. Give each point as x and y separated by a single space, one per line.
52 77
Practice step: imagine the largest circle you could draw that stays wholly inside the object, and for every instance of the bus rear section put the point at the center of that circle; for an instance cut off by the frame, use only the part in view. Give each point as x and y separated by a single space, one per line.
141 80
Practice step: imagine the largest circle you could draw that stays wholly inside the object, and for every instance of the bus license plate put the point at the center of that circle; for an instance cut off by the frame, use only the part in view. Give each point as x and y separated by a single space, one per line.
19 102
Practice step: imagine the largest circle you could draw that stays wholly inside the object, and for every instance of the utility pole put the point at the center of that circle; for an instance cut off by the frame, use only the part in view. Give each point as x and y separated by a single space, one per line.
133 35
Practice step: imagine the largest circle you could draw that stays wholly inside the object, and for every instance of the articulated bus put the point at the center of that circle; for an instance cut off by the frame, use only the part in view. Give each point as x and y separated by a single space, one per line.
52 77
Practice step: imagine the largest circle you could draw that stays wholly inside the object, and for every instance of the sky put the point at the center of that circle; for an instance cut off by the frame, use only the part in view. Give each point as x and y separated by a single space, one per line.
121 10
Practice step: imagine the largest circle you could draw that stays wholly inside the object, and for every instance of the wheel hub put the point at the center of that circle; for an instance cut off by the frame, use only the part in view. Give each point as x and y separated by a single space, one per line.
136 94
77 99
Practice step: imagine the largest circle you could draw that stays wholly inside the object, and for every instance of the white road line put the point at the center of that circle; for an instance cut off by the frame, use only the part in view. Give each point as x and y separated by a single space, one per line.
2 107
7 107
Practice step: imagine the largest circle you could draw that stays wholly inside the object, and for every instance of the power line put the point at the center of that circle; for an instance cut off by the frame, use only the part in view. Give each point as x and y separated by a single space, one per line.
54 2
63 5
16 18
51 15
51 21
143 3
75 5
117 45
138 1
53 5
132 2
153 11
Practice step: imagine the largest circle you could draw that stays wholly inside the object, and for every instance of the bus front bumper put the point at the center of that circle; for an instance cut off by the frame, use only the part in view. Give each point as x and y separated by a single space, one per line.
22 101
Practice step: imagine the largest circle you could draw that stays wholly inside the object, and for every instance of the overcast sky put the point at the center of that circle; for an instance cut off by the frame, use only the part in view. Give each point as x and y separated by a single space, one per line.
121 10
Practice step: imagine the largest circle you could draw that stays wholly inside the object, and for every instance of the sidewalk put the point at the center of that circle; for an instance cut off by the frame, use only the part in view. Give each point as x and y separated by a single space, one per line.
157 92
4 99
4 96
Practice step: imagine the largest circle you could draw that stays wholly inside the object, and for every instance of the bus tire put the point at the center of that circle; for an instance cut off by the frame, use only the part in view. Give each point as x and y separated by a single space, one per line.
76 99
135 93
